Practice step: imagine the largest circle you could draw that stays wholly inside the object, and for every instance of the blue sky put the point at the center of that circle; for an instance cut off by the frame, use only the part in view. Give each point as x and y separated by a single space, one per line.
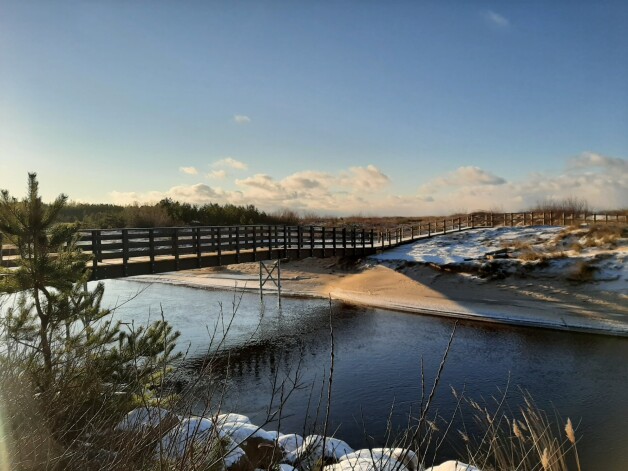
334 107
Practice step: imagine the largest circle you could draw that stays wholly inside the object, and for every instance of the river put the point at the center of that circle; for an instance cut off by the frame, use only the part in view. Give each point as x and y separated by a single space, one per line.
377 366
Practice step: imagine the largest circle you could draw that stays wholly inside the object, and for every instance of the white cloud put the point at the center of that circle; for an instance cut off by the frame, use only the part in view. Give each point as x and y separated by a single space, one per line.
241 119
592 160
217 174
497 19
188 170
365 178
462 176
231 163
601 180
197 194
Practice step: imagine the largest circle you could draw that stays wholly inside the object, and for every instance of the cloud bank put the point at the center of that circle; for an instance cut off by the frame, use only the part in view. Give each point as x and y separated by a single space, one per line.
601 180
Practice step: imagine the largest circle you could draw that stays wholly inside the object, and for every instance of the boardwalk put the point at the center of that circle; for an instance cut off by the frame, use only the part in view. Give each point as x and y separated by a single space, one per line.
118 253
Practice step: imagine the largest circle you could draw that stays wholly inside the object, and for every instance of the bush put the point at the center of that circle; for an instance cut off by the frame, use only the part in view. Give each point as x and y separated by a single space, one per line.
76 371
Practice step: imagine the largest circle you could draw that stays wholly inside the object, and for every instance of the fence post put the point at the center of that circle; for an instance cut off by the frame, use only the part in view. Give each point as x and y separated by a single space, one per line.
344 241
218 242
333 242
151 249
285 241
311 241
237 244
353 240
323 237
175 247
197 231
363 242
94 254
125 252
255 243
372 238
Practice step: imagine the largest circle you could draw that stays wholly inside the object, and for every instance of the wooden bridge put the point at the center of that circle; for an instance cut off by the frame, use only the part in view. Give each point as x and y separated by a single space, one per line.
118 253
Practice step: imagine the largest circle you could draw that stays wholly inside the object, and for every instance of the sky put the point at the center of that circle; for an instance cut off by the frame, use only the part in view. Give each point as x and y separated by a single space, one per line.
329 107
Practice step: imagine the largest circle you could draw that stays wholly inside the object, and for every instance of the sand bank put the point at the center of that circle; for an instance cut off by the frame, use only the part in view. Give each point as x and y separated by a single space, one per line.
545 303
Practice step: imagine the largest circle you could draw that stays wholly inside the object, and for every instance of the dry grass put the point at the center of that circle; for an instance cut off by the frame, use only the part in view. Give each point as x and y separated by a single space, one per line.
526 440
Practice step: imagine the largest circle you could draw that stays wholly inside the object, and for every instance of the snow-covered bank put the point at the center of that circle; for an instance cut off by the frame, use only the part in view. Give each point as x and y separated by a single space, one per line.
597 256
236 444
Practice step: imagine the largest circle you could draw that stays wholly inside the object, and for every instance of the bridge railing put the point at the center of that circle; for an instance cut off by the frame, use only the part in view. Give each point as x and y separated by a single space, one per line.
151 243
226 244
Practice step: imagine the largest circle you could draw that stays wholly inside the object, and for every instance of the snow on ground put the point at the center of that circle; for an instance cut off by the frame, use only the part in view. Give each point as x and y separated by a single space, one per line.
460 247
586 254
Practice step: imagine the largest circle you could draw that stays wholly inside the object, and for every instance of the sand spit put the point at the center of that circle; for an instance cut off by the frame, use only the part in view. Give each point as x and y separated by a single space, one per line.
537 302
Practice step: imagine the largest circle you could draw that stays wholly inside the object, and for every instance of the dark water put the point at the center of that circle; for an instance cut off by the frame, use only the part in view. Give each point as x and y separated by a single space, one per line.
378 365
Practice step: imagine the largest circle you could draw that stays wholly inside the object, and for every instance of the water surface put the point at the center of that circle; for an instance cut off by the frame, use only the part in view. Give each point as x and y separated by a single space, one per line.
377 364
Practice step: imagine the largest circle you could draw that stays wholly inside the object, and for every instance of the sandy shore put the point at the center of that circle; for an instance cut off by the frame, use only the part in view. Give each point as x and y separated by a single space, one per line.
537 302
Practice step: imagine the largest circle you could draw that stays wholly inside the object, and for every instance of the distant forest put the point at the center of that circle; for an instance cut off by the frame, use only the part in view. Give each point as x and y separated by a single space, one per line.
170 213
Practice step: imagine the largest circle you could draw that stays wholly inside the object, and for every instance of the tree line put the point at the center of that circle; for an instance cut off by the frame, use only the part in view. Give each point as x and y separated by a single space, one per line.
170 213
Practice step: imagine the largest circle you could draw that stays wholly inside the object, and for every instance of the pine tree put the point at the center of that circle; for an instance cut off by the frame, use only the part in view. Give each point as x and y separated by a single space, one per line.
70 348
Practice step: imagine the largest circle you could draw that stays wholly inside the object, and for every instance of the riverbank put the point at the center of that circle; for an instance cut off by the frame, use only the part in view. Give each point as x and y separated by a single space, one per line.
535 302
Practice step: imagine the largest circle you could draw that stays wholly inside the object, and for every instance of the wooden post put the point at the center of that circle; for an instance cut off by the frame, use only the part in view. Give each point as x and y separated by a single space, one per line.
285 241
311 241
218 238
372 238
175 247
277 239
363 242
237 246
125 252
299 241
197 233
323 239
344 241
255 243
94 254
333 235
429 229
151 249
353 240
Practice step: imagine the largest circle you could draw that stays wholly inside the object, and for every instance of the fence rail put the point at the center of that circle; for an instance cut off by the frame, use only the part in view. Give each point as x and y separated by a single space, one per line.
132 251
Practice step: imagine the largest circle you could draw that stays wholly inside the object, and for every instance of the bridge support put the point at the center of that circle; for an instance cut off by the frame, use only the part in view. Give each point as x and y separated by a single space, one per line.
267 273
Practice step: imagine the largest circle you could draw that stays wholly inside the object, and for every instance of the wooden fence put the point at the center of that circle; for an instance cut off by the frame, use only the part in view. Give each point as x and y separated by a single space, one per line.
125 252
